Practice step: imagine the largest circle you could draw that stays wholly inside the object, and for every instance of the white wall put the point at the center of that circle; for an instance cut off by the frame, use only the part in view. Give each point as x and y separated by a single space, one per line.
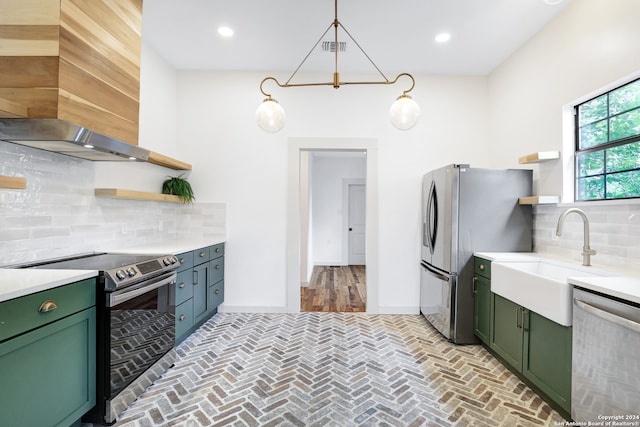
329 171
591 44
235 162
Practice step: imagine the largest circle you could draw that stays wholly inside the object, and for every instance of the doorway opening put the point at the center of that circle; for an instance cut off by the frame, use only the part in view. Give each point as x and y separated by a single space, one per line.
333 242
295 179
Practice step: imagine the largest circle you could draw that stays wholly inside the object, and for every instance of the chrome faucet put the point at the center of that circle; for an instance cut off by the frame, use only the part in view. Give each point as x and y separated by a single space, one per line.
586 250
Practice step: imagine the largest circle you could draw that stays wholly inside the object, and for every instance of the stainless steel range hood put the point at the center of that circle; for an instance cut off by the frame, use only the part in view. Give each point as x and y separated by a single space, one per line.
60 136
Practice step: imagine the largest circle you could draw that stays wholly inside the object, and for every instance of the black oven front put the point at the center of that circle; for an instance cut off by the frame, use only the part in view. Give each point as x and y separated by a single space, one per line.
136 337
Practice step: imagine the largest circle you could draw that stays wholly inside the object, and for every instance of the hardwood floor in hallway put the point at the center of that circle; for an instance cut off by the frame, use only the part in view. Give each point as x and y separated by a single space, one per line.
335 289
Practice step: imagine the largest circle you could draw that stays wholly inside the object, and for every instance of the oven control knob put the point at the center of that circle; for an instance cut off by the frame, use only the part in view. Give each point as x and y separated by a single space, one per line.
120 274
166 261
131 271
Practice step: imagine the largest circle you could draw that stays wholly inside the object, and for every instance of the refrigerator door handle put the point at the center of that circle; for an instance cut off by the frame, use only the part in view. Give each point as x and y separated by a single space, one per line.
432 217
436 274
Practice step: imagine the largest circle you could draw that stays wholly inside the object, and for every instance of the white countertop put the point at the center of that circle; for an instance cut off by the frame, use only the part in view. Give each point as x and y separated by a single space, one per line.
616 282
507 256
19 282
624 287
168 247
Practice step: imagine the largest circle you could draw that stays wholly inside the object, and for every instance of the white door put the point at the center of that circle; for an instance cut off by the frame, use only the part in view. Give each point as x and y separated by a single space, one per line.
357 224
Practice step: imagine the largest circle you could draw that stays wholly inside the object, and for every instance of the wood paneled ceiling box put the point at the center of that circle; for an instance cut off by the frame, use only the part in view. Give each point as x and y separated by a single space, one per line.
78 62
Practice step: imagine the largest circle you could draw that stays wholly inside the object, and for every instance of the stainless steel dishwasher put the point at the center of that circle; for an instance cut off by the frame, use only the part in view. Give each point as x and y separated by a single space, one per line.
606 358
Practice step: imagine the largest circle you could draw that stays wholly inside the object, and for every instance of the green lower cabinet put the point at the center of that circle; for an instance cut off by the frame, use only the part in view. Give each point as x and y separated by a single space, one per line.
547 358
199 288
215 296
48 375
536 347
184 320
482 308
507 334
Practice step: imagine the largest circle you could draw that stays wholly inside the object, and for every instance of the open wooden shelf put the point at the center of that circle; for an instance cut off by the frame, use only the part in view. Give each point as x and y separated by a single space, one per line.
539 200
118 193
540 156
13 182
167 162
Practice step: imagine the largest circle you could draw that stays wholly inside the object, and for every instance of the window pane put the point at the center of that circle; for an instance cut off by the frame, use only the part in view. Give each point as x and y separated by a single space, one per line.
624 125
625 98
596 109
591 163
624 184
624 157
591 188
593 134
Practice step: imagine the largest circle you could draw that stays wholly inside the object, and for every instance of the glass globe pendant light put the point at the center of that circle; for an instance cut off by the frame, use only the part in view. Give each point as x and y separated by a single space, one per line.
404 112
270 115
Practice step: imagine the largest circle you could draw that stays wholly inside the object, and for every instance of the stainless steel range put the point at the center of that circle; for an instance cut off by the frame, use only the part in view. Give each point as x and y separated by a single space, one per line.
135 325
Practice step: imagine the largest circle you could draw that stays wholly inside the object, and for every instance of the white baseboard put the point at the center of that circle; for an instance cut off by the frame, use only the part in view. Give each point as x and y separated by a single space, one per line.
388 309
265 309
251 309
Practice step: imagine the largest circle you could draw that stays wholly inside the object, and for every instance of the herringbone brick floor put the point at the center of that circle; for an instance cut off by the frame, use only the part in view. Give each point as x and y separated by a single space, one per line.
333 369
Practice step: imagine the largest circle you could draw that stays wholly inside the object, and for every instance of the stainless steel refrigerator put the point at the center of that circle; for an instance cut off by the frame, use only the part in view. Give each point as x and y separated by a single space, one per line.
465 210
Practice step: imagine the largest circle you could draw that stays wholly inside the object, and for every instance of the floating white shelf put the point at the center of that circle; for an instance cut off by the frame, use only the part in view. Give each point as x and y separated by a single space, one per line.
539 200
13 182
118 193
540 156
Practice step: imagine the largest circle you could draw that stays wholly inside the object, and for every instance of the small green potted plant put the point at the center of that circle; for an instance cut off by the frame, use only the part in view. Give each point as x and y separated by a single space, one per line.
178 186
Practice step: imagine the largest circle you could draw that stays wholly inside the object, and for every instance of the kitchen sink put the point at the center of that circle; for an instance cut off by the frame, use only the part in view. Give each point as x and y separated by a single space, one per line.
540 286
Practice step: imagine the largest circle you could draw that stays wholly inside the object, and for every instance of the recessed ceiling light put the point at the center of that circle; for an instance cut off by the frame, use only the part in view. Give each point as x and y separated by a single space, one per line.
225 31
443 37
552 2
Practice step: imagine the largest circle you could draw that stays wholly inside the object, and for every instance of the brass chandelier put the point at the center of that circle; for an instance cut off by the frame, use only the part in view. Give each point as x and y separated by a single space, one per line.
403 113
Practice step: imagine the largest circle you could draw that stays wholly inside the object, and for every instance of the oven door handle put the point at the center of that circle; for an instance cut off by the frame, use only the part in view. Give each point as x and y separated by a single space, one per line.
598 312
118 298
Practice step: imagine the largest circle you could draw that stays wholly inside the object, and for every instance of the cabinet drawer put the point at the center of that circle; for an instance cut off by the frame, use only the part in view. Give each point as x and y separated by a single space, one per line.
482 267
216 270
216 251
186 260
200 255
215 295
184 286
23 314
184 318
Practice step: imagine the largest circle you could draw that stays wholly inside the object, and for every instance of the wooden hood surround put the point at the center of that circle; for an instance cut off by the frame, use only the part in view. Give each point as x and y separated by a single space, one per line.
76 60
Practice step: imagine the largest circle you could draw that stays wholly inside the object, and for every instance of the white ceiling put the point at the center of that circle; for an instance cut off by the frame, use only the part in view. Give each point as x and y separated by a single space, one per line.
398 35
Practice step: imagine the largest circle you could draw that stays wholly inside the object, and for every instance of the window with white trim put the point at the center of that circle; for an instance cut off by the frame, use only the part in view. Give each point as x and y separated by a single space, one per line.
607 160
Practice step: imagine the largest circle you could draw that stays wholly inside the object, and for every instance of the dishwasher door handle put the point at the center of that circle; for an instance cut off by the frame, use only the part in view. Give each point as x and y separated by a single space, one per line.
610 317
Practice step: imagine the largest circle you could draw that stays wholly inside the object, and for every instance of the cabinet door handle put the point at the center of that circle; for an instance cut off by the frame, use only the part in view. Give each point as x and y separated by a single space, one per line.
518 318
217 249
481 267
217 266
181 285
182 260
217 291
525 318
182 317
195 277
47 306
475 291
201 254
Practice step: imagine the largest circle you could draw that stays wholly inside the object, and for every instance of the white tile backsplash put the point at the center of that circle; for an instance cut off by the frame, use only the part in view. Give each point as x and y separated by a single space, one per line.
615 234
59 215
